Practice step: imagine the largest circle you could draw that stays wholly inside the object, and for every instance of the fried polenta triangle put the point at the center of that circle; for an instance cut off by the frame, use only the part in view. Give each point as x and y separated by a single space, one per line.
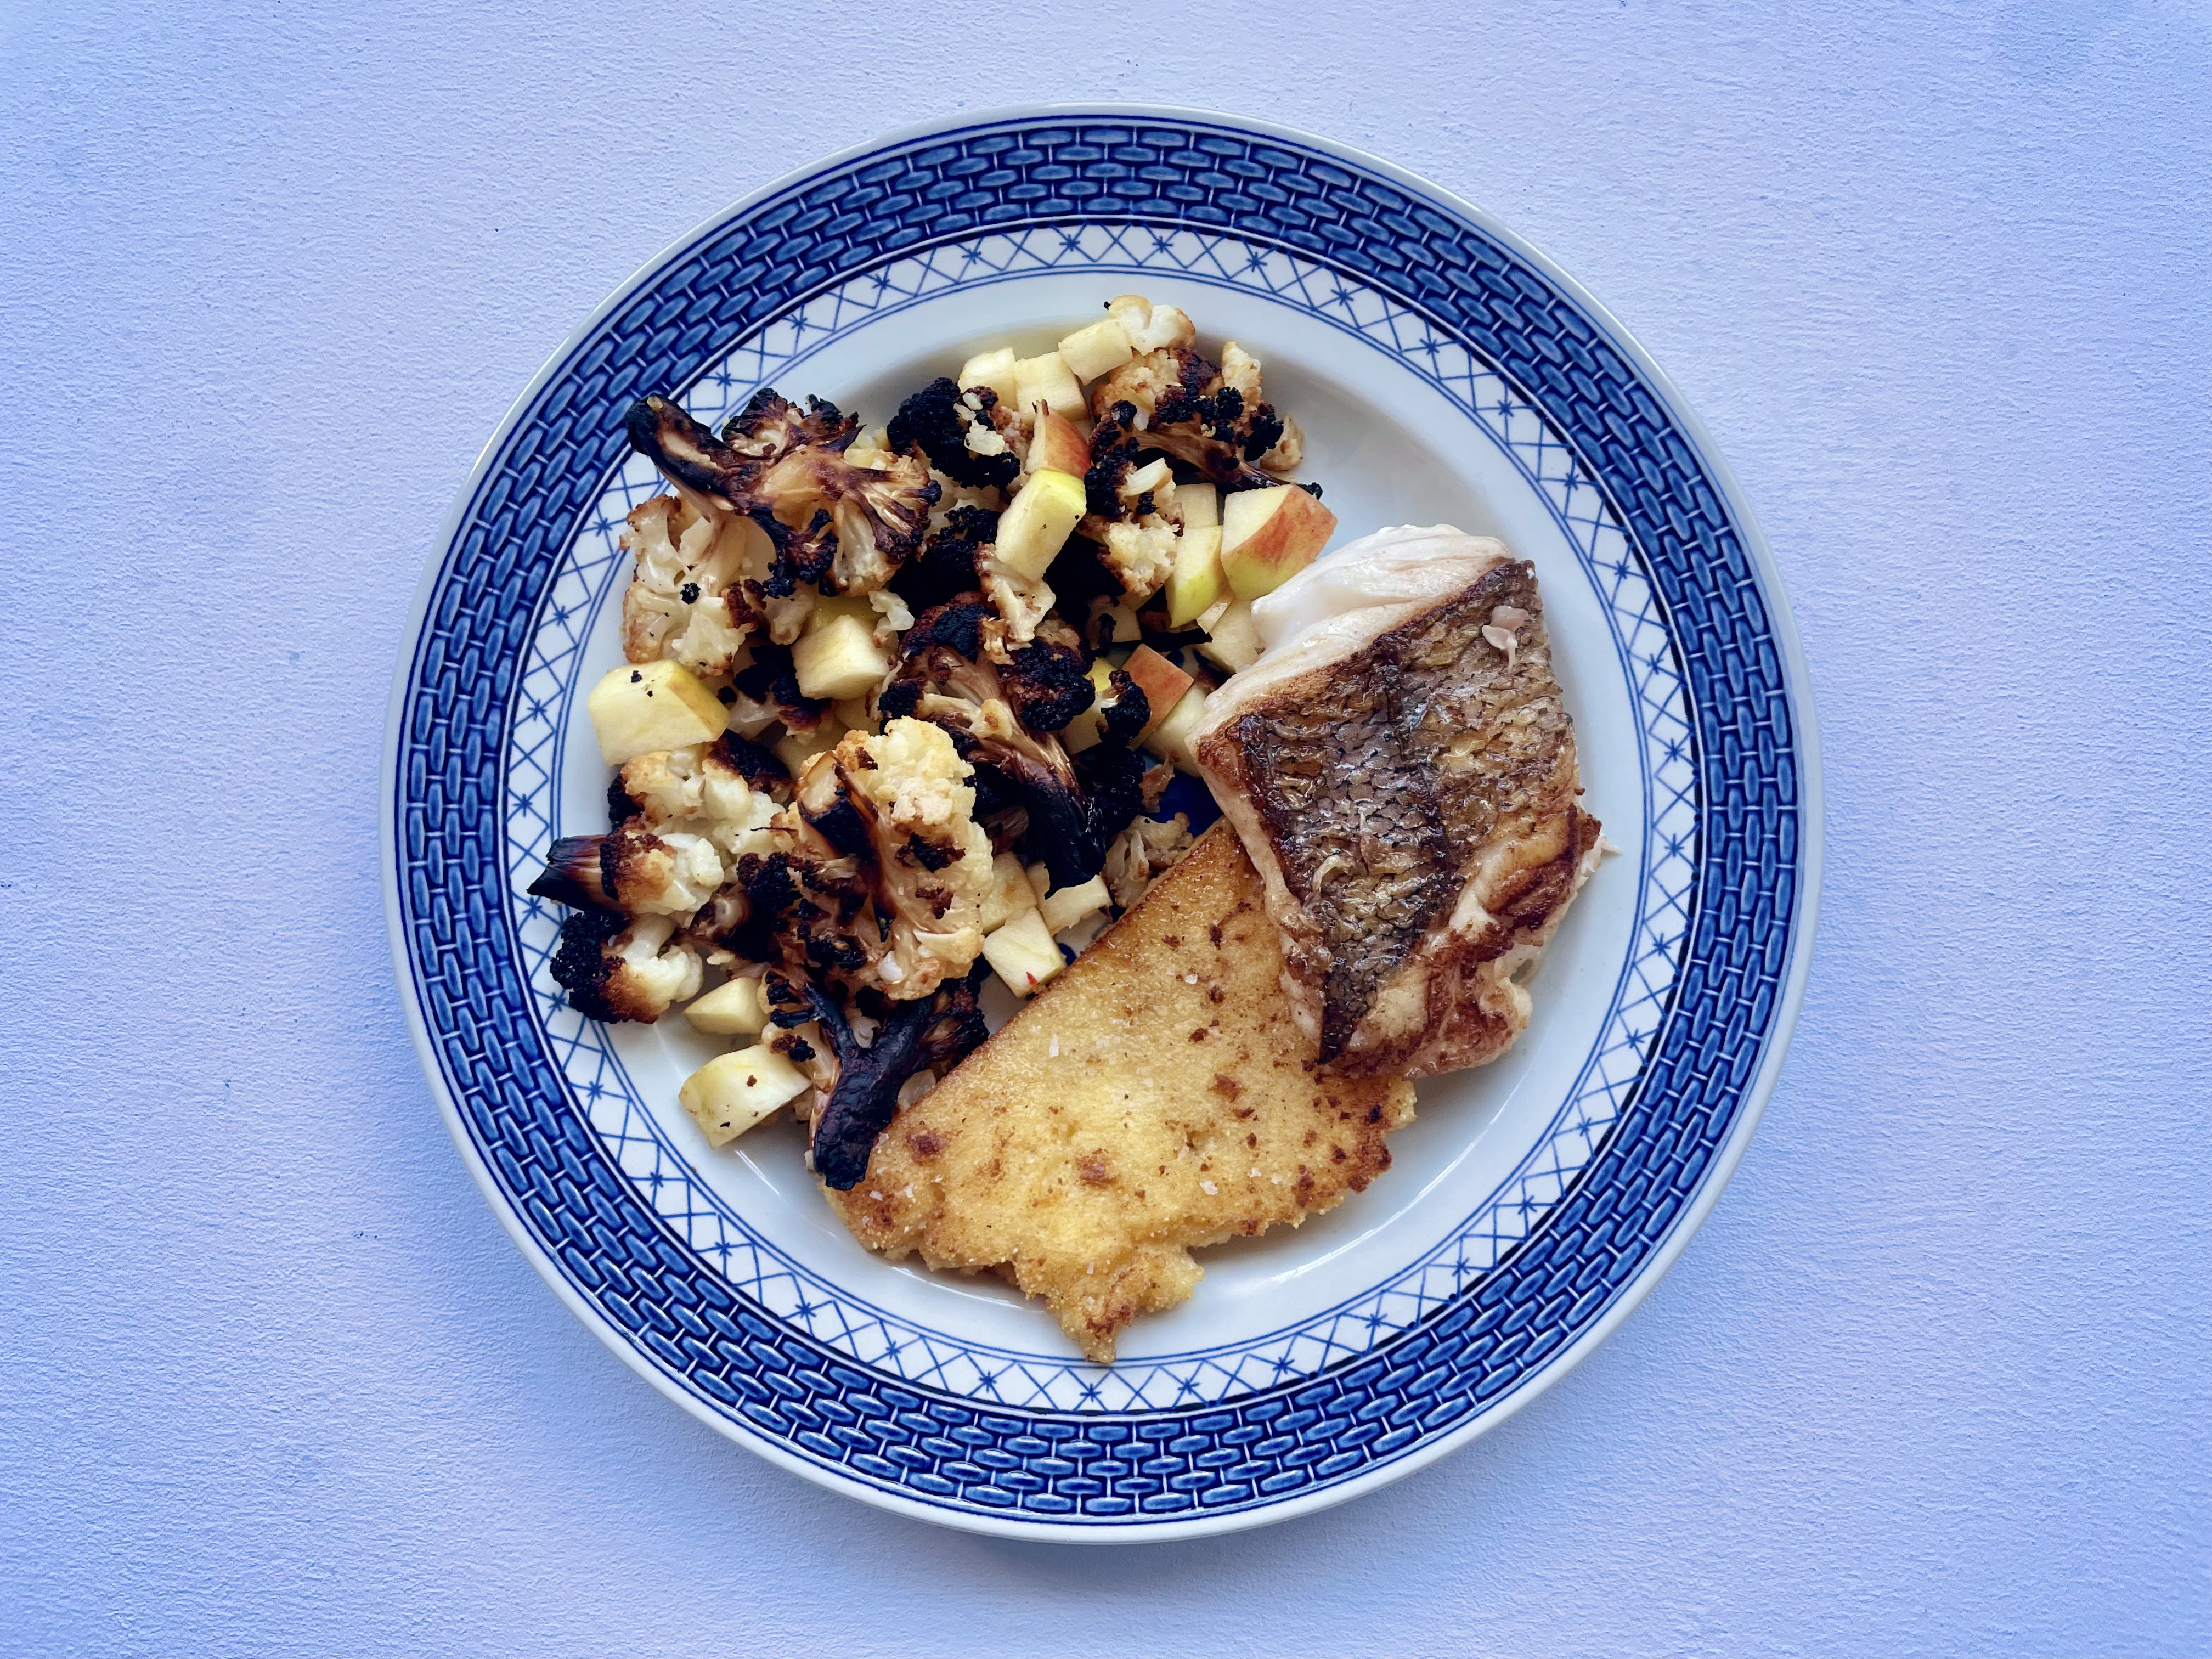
1155 1098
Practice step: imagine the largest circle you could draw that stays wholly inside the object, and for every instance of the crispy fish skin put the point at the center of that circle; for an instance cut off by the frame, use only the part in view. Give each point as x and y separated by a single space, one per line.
1156 1097
1404 776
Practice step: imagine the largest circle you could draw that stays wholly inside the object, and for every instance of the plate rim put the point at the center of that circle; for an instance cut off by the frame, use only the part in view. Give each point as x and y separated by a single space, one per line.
1805 901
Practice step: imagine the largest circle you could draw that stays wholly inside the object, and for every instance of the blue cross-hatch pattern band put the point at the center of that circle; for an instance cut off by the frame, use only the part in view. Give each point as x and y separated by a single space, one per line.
778 1379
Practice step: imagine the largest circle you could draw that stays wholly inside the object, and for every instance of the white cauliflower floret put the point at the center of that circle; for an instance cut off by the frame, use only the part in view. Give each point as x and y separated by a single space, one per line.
1141 544
1141 555
919 778
695 790
933 861
1240 371
651 967
684 601
668 874
1150 327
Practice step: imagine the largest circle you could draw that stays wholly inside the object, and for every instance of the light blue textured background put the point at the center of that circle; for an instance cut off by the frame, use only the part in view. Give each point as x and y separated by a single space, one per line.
1934 1380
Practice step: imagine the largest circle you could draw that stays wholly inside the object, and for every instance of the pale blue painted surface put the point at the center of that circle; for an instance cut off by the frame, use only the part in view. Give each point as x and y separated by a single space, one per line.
1934 1380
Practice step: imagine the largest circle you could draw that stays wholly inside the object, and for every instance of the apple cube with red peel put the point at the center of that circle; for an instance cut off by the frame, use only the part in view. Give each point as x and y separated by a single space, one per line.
1058 447
1170 739
1268 536
1160 680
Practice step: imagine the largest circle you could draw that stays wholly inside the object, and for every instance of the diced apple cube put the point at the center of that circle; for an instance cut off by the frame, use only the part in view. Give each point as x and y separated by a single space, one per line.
738 1008
1170 739
1049 381
1196 581
644 707
1201 506
1032 531
1098 350
731 1093
1268 536
1058 447
1011 892
1067 906
1022 954
1234 641
994 369
1162 683
839 659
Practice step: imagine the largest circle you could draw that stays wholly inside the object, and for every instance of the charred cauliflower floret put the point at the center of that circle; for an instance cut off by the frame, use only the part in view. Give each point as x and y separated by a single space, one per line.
1210 417
948 565
1131 501
956 431
766 692
836 523
862 1097
615 967
723 791
901 806
633 869
1074 807
686 600
1048 680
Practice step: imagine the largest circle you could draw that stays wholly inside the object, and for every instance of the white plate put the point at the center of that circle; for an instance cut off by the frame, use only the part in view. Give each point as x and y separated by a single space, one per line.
1442 372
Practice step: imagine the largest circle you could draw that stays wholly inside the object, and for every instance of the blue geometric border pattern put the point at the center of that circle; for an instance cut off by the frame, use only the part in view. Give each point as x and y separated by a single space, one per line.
593 569
782 1382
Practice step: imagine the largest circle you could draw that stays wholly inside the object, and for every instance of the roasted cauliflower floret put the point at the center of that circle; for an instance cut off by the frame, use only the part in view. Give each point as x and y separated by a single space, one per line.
955 430
720 791
632 869
948 565
1133 514
838 523
1150 327
901 806
1212 418
1022 602
685 601
615 967
1075 807
1047 679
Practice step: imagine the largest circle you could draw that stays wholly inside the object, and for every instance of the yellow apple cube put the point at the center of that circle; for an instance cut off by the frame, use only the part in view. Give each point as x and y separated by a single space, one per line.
738 1008
732 1093
1022 954
839 659
1098 350
644 707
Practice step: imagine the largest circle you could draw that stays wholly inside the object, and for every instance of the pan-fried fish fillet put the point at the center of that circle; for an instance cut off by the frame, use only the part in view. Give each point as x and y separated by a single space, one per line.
1157 1097
1401 768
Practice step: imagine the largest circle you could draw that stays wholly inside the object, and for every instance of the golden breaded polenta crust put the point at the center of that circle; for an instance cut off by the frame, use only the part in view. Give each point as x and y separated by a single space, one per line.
1156 1097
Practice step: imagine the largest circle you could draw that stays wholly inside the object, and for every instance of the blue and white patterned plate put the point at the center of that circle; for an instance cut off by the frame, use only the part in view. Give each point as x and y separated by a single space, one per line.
1442 371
